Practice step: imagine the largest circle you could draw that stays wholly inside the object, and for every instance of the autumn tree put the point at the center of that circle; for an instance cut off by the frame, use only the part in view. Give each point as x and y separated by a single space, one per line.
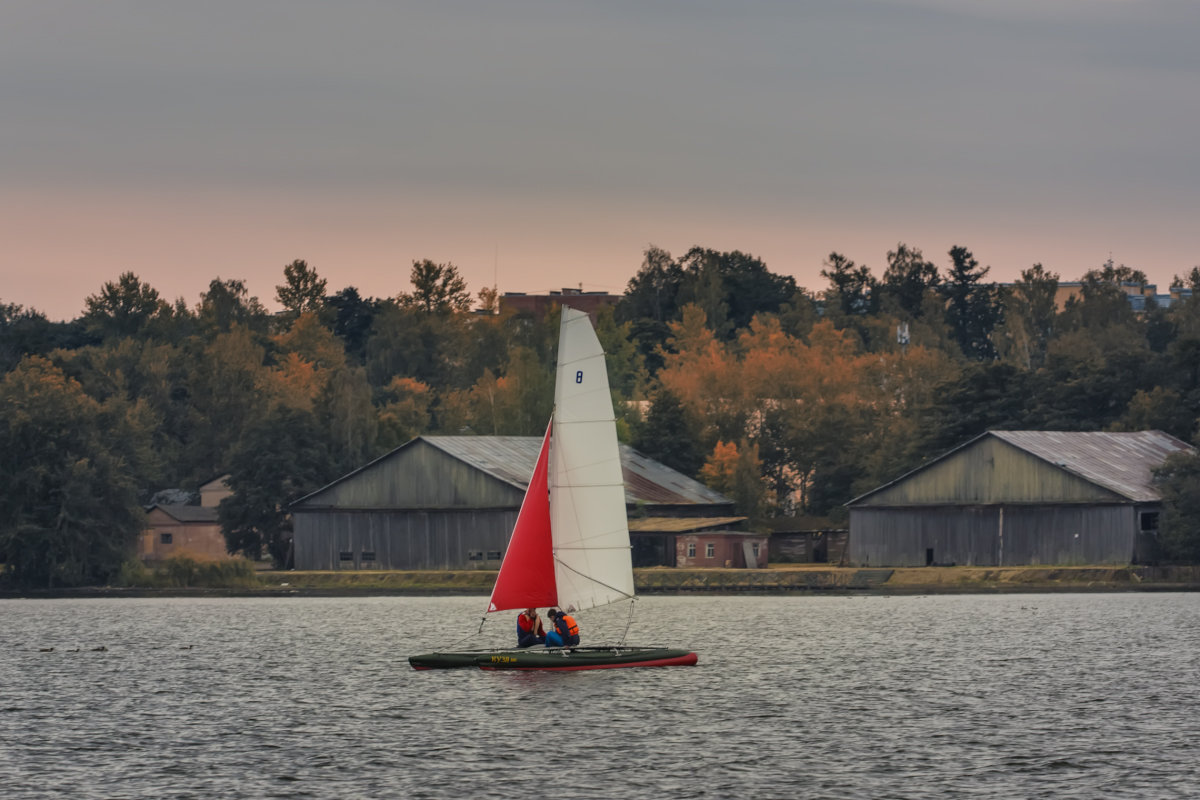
404 413
701 371
68 479
734 471
516 403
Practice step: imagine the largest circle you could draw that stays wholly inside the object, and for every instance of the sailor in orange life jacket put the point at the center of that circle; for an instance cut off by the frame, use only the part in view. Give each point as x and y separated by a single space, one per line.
529 628
566 630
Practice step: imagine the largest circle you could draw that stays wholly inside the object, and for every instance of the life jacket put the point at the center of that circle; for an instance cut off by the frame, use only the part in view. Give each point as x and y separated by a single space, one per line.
526 625
569 623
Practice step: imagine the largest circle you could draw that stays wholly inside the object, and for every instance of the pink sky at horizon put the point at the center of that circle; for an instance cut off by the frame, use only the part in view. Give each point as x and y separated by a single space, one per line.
180 244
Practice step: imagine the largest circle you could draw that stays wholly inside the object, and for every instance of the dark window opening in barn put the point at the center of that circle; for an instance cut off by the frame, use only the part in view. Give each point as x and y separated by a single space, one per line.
1149 521
368 555
820 553
929 556
493 555
166 538
345 555
710 550
691 550
754 549
474 555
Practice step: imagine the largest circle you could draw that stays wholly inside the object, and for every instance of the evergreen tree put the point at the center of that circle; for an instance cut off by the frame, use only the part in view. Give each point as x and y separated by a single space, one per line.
352 320
972 307
667 436
280 459
907 280
1179 527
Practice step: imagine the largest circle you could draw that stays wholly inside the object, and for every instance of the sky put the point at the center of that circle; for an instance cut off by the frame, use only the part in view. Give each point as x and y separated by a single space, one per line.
541 145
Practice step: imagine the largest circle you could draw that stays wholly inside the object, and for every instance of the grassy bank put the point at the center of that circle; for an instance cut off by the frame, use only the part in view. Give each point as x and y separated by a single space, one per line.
187 578
780 579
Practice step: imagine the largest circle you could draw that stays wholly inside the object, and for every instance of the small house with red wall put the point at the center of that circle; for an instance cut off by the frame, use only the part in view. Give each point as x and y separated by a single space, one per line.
721 548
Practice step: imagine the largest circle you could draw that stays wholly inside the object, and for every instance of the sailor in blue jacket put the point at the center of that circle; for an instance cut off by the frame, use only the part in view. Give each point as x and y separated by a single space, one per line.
566 630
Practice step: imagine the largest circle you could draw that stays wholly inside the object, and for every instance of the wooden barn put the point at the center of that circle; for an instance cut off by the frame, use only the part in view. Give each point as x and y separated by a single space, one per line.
450 502
1013 498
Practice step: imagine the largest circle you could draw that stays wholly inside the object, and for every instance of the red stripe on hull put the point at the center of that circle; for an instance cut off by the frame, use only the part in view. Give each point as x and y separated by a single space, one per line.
688 660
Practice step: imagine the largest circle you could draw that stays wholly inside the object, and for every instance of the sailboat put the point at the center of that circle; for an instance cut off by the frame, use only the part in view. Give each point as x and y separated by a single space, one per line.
570 544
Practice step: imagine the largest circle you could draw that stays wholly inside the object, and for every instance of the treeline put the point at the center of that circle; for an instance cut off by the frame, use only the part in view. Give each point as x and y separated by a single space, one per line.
789 400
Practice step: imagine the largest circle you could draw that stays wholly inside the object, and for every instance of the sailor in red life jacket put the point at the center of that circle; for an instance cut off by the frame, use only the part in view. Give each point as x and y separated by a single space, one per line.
529 628
566 630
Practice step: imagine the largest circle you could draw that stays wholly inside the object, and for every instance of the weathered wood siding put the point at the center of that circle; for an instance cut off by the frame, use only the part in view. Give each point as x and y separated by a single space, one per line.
420 476
995 535
808 547
990 472
436 539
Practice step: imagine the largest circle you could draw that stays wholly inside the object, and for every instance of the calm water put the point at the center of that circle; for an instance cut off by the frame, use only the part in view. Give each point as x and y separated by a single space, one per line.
1080 696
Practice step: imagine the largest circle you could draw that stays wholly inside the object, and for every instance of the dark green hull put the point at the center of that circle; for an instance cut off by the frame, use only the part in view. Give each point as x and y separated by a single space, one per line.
556 659
450 660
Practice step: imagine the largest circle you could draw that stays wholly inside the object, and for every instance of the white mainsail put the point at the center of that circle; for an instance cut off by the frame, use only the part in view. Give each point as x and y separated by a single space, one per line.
593 565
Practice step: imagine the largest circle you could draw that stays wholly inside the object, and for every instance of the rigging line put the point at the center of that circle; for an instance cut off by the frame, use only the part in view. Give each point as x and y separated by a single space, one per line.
628 622
468 637
590 578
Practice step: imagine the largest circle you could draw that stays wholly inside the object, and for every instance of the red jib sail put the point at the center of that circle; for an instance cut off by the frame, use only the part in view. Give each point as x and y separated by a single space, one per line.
526 578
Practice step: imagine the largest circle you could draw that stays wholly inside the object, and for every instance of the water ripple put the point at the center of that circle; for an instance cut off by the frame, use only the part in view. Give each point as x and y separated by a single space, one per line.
1062 696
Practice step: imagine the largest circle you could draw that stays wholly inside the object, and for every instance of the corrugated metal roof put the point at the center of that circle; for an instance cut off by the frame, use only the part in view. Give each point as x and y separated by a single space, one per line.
1121 462
680 524
511 459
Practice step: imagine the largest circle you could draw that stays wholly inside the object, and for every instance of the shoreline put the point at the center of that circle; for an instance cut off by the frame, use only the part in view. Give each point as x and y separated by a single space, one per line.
783 579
